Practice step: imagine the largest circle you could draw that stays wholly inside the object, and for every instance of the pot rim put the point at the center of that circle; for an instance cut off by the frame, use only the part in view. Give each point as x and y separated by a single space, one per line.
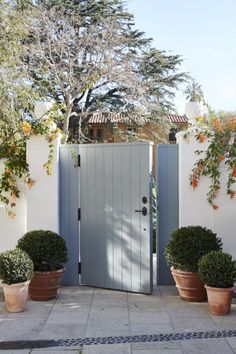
16 284
219 289
50 272
181 271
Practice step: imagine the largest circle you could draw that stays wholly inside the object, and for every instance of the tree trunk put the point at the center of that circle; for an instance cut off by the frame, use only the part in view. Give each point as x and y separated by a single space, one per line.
67 120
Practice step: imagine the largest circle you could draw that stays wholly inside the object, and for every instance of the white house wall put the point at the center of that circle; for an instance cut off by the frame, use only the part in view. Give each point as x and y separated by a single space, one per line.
43 197
193 206
12 229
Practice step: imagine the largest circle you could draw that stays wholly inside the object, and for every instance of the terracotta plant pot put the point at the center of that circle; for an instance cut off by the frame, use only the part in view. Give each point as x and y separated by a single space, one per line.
16 296
44 285
219 300
190 287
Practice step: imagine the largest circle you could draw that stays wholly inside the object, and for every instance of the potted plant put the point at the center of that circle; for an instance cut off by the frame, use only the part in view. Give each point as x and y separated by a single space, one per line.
186 246
48 252
218 271
16 270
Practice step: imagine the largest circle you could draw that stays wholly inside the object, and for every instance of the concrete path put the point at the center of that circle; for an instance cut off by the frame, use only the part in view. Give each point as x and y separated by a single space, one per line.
134 324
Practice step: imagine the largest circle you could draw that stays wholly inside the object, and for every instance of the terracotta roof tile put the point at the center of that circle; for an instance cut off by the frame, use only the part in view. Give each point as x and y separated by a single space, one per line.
105 117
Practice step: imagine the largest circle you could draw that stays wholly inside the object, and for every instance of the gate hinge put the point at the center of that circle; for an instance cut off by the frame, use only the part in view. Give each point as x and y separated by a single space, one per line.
79 268
79 214
78 160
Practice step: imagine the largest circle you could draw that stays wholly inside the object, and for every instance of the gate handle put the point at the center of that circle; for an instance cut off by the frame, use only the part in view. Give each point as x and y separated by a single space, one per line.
143 211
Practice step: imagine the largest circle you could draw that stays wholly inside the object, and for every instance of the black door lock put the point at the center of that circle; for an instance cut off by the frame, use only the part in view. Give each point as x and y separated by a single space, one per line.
143 211
144 200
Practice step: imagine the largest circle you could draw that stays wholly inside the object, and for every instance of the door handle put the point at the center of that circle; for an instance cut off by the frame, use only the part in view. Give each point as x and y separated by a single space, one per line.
143 211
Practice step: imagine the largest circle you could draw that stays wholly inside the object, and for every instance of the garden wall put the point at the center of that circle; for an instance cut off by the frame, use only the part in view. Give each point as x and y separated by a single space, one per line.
193 206
12 229
38 207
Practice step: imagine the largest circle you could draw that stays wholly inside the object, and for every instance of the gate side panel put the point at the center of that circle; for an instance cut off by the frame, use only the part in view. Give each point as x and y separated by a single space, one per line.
69 202
168 205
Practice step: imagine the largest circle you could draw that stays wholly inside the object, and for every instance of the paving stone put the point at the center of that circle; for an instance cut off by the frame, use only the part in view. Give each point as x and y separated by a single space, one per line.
95 332
57 351
113 301
209 346
15 351
150 328
70 316
176 310
12 335
149 317
232 342
193 324
157 351
169 290
80 289
17 324
108 291
108 325
108 349
172 345
62 331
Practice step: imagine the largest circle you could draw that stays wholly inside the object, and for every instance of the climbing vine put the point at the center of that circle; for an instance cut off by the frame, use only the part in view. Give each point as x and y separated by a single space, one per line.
221 134
13 151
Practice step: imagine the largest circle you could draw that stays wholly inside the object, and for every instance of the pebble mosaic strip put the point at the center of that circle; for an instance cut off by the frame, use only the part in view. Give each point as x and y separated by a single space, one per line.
5 345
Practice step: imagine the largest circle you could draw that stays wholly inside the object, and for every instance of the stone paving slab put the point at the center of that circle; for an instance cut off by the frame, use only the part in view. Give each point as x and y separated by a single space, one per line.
209 346
134 323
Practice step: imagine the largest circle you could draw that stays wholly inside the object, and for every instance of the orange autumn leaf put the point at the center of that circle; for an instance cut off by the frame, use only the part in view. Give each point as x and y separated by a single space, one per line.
30 183
217 125
194 183
201 138
221 157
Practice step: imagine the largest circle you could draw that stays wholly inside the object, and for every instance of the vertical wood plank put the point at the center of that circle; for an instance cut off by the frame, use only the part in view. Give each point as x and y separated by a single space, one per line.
117 214
146 233
108 209
136 220
126 225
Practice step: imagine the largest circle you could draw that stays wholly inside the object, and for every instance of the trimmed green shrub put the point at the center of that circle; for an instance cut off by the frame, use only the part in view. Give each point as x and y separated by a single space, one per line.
188 244
15 266
46 248
217 269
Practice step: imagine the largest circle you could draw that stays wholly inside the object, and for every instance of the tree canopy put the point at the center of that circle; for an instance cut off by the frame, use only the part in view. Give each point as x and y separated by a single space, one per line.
86 56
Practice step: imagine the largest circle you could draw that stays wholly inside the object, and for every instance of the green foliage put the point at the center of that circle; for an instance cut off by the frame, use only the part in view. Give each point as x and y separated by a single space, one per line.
217 269
194 92
188 244
15 266
47 249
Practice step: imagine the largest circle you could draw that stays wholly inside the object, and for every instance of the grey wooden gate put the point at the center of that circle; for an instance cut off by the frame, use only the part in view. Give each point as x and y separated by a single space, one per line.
113 188
168 205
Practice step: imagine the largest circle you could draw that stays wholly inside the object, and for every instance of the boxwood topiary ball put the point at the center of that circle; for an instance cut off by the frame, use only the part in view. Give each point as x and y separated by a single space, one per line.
217 269
46 248
15 266
188 244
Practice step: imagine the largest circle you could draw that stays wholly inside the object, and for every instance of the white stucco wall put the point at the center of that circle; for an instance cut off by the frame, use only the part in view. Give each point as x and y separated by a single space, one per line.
193 206
43 197
38 207
12 229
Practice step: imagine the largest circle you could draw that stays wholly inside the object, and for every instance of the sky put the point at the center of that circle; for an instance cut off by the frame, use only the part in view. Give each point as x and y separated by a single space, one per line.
203 32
